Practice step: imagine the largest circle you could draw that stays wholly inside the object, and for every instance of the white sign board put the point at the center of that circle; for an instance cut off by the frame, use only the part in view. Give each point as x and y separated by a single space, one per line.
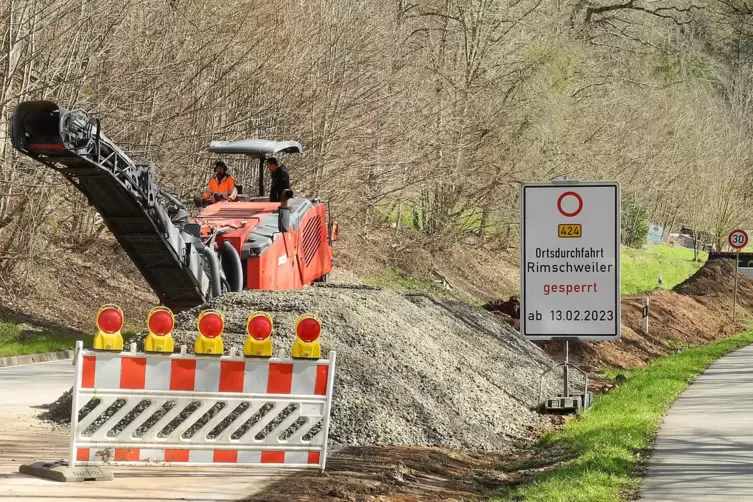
655 233
570 260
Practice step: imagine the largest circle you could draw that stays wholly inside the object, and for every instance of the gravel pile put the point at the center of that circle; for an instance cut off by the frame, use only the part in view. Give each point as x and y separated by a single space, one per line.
411 370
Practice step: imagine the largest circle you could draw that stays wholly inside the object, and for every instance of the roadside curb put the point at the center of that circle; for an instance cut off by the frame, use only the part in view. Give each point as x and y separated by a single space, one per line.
35 358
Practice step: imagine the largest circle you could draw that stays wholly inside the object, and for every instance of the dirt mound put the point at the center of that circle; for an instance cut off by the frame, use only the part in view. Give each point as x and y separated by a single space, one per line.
508 310
709 279
675 321
696 311
59 411
411 370
714 286
510 307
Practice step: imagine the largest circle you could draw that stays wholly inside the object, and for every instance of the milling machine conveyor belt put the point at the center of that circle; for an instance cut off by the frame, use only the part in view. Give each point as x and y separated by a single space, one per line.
135 225
136 232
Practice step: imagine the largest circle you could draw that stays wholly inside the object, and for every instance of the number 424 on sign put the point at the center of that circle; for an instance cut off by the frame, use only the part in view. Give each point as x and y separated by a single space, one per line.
569 230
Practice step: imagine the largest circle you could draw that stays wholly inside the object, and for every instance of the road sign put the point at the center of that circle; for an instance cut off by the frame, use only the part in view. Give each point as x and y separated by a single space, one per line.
655 233
738 239
570 260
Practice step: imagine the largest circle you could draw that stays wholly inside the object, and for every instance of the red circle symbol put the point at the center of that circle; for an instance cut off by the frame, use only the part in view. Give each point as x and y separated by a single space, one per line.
565 213
110 320
161 322
738 239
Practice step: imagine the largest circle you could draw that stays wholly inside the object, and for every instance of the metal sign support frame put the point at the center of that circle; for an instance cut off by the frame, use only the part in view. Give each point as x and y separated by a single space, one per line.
566 402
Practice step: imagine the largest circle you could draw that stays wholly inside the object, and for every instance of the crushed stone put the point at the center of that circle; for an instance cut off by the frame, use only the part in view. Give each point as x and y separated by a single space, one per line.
411 369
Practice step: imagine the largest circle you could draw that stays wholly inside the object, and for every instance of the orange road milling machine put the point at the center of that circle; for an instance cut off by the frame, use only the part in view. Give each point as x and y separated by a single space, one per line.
229 246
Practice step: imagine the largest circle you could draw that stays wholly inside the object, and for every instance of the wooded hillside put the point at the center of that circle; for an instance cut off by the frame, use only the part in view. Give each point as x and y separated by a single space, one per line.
420 115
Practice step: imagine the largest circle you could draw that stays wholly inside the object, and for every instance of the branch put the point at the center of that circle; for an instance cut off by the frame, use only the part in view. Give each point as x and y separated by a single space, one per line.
598 84
658 12
606 8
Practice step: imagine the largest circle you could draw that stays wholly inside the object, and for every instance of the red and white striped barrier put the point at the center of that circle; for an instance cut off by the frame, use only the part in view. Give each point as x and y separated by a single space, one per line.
189 373
173 409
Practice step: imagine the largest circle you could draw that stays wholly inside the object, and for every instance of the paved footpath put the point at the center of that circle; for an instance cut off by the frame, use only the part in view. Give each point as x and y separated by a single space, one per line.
704 449
24 439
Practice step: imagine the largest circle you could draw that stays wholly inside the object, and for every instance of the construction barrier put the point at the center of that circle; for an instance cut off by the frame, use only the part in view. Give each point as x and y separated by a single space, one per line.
132 408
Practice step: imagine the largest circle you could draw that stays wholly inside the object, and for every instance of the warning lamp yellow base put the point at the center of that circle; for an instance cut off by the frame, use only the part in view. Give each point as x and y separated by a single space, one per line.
155 343
108 341
257 348
304 350
209 346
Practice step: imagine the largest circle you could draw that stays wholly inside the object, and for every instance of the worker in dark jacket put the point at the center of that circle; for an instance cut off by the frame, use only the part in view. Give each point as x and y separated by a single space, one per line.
280 179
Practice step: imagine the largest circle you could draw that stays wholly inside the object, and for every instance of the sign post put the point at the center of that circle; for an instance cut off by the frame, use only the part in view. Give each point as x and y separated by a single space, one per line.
738 239
646 302
570 265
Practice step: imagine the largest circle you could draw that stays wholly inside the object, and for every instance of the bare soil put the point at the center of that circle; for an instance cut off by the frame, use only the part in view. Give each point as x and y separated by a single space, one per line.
695 312
405 474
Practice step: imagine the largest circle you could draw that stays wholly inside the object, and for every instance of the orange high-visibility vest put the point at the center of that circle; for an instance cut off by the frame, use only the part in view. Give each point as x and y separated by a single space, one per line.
223 188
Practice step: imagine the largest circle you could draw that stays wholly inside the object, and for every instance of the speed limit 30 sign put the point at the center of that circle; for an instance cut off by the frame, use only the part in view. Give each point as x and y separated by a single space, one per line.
738 239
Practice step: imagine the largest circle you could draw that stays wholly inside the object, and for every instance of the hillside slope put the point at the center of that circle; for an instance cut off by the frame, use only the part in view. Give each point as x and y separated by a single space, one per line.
419 116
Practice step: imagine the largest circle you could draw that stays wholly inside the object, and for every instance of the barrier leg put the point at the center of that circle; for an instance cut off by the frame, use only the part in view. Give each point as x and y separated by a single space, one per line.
328 406
67 471
78 359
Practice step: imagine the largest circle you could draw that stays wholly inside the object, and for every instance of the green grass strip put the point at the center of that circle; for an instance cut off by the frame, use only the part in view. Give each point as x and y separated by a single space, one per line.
640 268
20 338
607 441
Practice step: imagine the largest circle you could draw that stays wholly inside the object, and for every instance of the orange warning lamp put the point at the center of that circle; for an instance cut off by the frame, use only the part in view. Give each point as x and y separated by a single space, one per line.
259 328
160 322
211 323
109 324
307 331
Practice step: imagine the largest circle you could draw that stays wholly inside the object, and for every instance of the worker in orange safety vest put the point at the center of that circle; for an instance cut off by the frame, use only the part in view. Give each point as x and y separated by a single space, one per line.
221 185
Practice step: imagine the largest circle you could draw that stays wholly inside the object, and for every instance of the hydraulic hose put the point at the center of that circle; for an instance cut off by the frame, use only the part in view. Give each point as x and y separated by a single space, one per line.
215 274
172 198
236 269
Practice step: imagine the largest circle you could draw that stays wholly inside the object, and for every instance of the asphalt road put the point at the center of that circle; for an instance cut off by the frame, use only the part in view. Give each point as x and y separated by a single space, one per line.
25 439
704 448
22 387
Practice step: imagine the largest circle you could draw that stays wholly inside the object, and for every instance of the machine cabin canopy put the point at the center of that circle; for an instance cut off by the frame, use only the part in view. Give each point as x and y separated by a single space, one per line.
257 148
